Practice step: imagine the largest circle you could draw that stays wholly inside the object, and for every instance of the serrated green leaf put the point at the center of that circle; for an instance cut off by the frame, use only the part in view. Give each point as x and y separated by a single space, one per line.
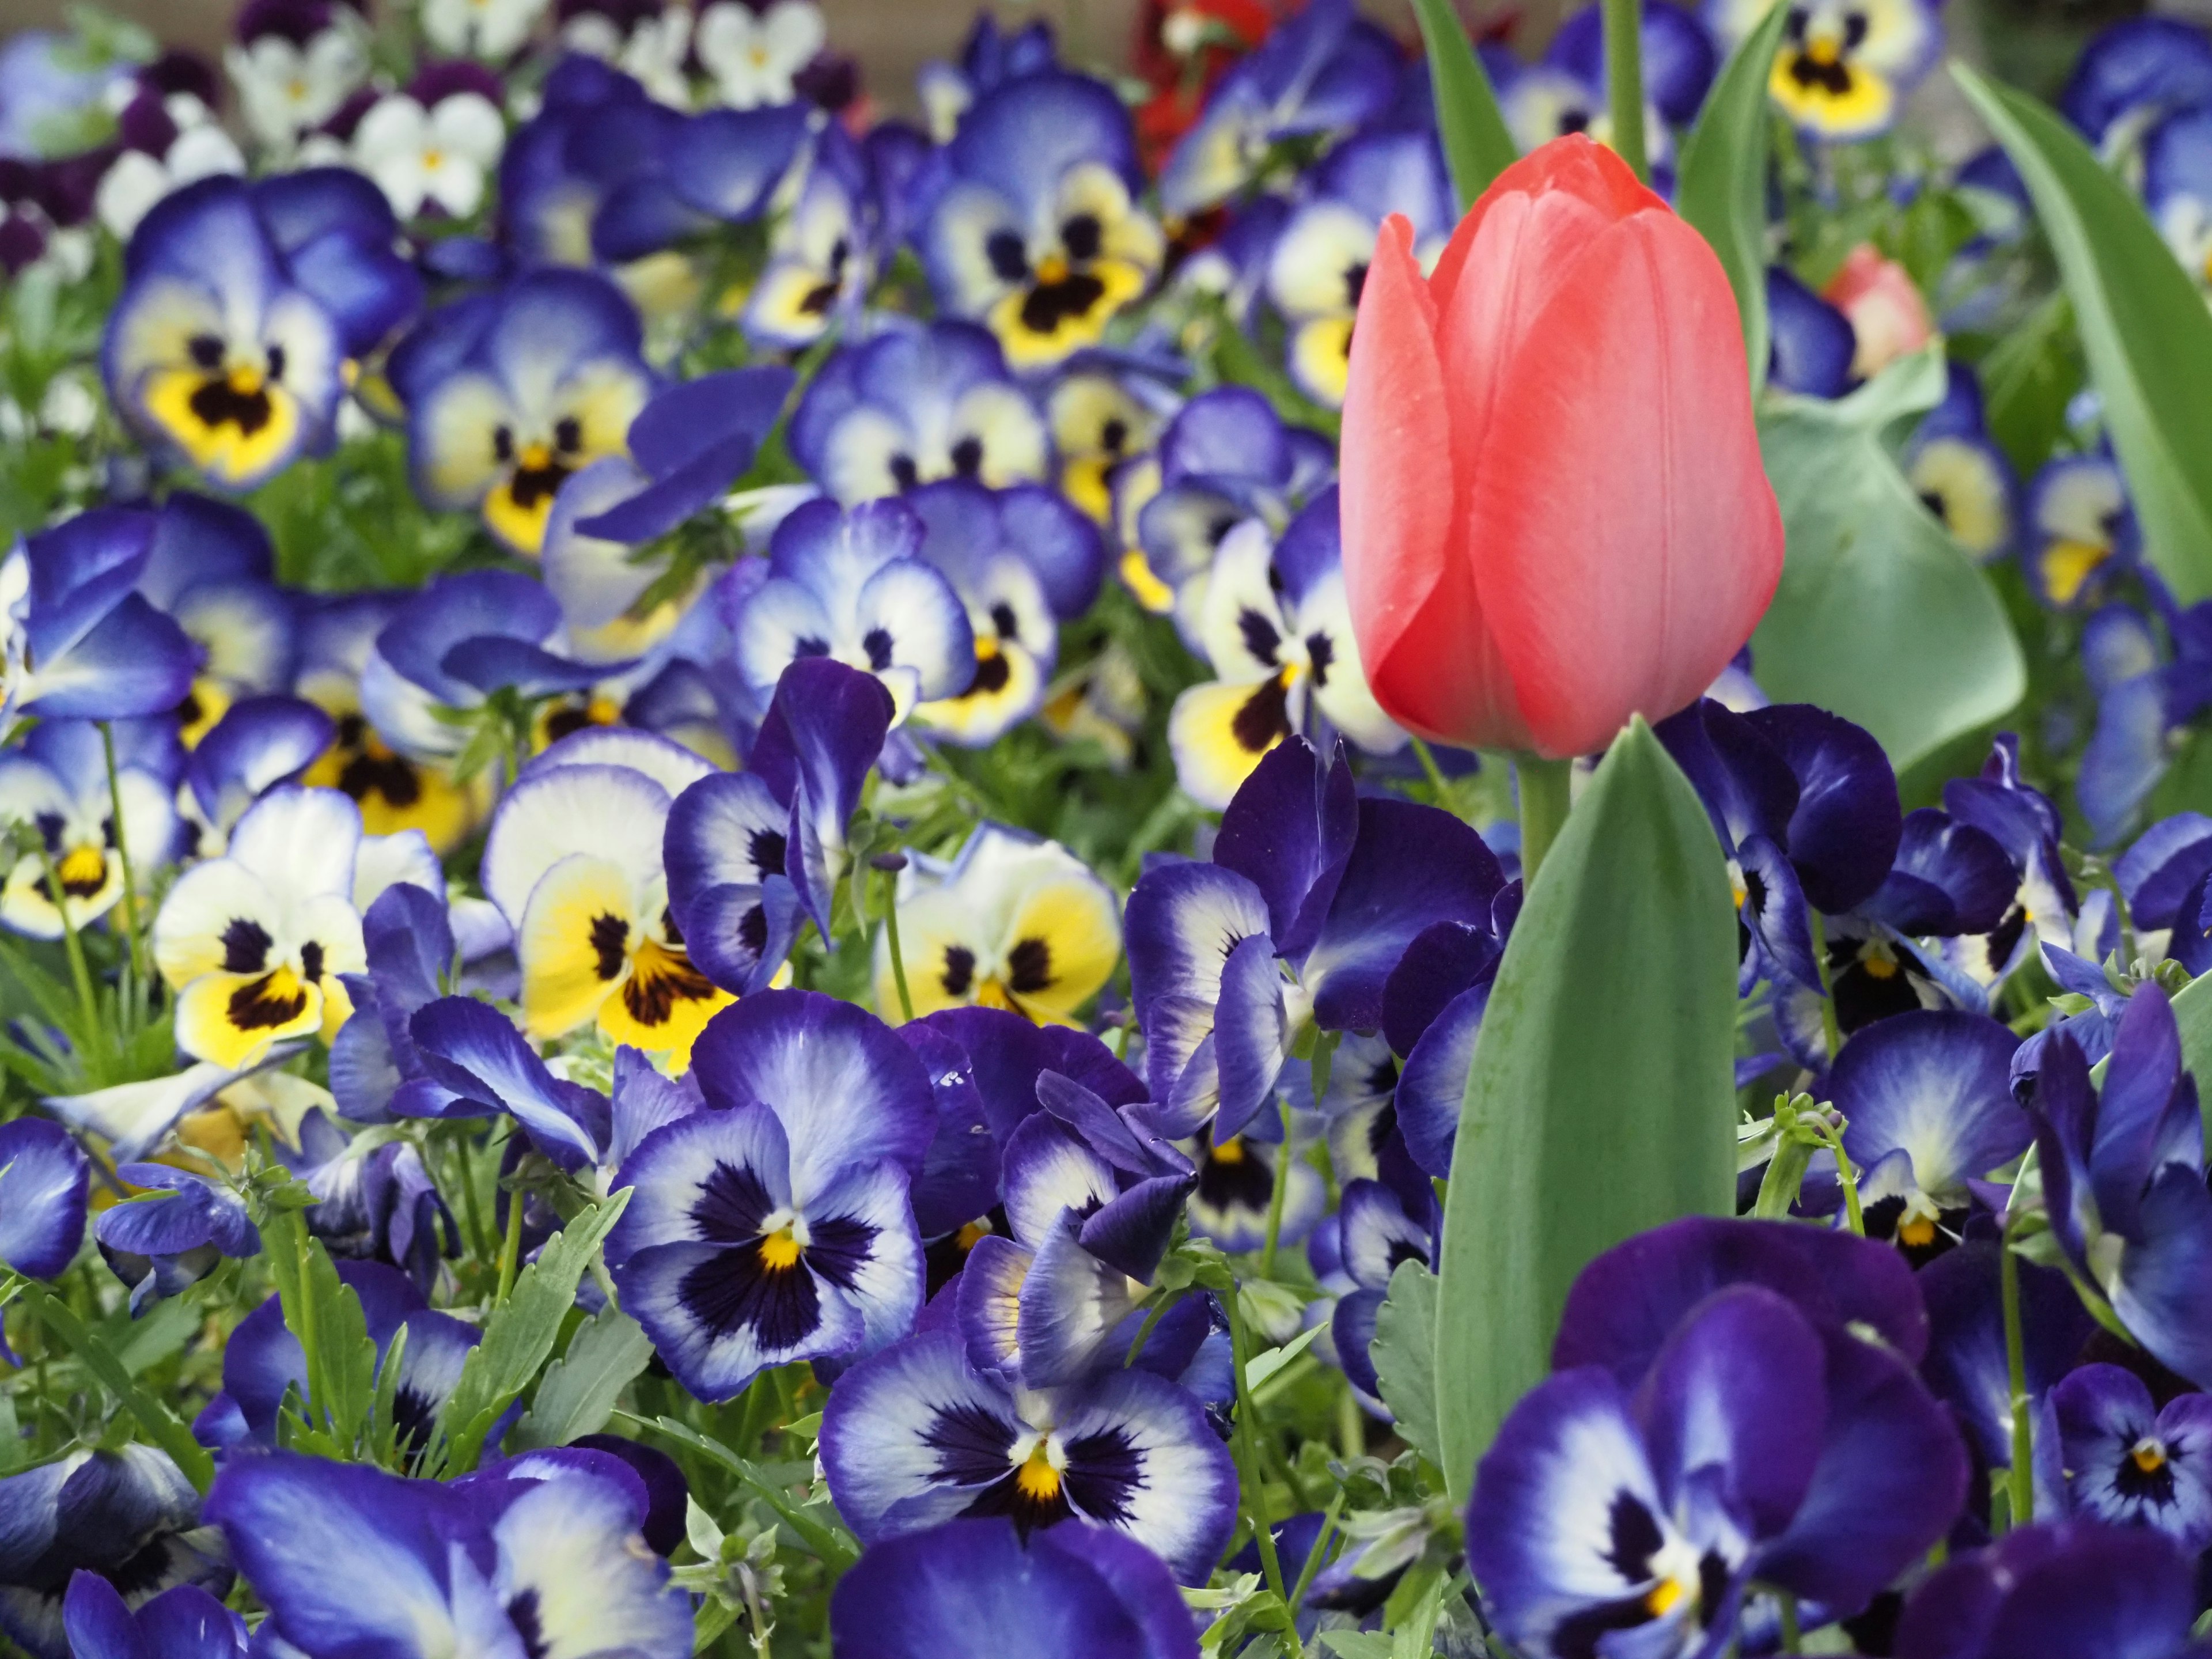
1721 185
160 1425
1879 617
1601 1100
580 1388
324 1316
1404 1354
1477 146
2143 325
817 1526
521 1334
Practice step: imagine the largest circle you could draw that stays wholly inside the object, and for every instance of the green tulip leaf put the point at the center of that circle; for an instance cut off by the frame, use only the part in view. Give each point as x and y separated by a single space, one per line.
1477 146
1881 616
1721 185
1601 1100
2144 328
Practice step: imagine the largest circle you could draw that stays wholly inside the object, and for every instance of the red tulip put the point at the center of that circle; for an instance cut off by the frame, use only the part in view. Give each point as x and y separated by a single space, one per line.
1554 512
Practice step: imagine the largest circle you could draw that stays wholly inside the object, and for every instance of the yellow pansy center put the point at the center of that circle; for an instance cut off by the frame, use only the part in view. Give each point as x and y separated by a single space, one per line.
1036 1478
779 1250
82 871
2147 1455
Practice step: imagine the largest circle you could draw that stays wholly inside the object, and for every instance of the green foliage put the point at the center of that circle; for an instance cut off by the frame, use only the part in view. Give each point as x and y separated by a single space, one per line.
160 1425
1881 616
1603 1097
324 1316
520 1336
578 1393
1721 185
2144 327
1405 1356
1477 145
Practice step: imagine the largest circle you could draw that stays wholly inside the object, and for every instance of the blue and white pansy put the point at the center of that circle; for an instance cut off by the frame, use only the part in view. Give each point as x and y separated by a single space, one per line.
1038 233
572 859
1845 66
854 585
2080 530
1013 922
916 404
545 1557
917 1435
253 943
1022 560
213 351
211 567
510 393
44 1178
2127 1463
1319 265
823 253
54 788
1957 470
1277 628
2178 188
1565 92
775 1225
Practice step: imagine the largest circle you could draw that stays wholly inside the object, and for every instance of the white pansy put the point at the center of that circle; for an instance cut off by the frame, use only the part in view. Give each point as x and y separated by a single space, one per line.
753 55
439 156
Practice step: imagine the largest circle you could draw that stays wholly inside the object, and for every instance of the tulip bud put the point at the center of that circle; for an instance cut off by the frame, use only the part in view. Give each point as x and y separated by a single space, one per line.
1889 318
1554 512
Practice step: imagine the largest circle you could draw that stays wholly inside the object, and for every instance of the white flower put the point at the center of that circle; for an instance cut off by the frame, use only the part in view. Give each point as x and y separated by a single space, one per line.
136 181
753 58
484 28
438 156
284 88
652 52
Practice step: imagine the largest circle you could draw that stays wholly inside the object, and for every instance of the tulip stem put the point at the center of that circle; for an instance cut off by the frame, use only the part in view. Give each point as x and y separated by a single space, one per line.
1543 785
1624 64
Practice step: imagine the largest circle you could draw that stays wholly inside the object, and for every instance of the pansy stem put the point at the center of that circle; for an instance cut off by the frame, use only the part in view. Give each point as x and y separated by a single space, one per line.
898 956
1432 771
1544 799
1847 1176
1792 1640
1624 79
1829 1027
1246 1452
510 1250
2021 1478
73 947
122 857
1275 1200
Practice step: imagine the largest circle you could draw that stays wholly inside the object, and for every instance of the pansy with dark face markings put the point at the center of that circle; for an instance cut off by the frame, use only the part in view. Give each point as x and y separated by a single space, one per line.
913 406
510 393
917 1435
2127 1463
55 786
2080 531
213 350
1960 473
776 1226
1038 233
1845 66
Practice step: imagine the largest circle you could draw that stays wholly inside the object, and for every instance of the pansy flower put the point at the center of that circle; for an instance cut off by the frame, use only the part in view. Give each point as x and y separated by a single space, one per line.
1321 70
1319 265
2126 1462
1038 233
341 244
211 567
2080 530
1812 345
1957 470
1104 409
509 394
1565 92
1014 922
2178 189
174 1233
916 1435
1845 66
1022 560
293 64
776 1226
755 51
437 144
1377 1237
55 787
184 1620
75 641
1311 901
128 1515
214 349
1718 1424
572 859
2132 73
168 141
44 1177
1965 1364
1077 1591
649 40
2146 693
989 55
2025 821
373 1202
2124 1181
1277 628
853 586
749 854
913 406
343 1554
258 744
490 30
2042 1592
1928 1111
823 254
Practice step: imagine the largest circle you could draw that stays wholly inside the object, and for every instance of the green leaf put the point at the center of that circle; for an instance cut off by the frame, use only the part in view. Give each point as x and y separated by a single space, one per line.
579 1392
163 1426
1721 185
1477 145
2192 1013
519 1335
1405 1355
1603 1097
1261 1366
823 1533
1881 616
2144 327
325 1316
2028 378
